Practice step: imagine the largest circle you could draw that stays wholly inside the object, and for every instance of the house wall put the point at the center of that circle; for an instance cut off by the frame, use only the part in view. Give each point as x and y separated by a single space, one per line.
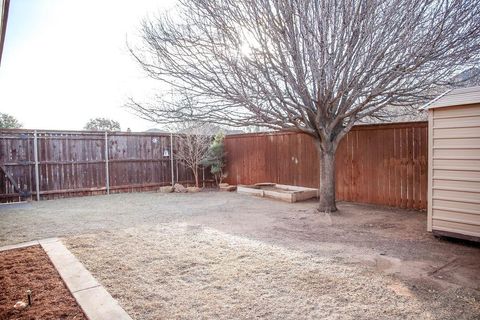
454 171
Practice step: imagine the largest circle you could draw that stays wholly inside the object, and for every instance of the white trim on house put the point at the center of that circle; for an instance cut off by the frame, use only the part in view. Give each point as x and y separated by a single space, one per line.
426 106
455 97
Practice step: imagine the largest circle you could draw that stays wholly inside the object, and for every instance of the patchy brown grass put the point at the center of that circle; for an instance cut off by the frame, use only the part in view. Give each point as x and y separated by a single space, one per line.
176 271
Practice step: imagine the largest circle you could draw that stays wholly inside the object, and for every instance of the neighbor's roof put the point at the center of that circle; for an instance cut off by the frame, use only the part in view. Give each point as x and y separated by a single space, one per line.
455 97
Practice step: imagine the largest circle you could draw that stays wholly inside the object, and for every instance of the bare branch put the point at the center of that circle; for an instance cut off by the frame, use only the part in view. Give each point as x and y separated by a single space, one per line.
314 66
310 66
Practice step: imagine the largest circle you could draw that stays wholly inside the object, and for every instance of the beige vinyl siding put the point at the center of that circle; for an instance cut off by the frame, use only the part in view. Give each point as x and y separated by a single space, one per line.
454 158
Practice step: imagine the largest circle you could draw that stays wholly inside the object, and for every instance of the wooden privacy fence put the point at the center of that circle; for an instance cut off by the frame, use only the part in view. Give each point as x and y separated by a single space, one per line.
380 164
67 163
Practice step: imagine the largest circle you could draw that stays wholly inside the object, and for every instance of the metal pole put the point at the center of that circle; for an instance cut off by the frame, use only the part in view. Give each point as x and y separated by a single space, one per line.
107 176
171 158
35 156
176 166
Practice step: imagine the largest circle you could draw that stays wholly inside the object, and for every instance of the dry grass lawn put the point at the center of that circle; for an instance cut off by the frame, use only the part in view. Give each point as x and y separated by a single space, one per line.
177 271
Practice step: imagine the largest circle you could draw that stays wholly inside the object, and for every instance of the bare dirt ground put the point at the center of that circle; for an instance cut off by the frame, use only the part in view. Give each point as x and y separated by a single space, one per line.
192 272
414 274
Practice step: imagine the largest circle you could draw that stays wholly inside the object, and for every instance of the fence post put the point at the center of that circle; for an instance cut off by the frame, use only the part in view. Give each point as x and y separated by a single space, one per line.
107 176
171 158
35 156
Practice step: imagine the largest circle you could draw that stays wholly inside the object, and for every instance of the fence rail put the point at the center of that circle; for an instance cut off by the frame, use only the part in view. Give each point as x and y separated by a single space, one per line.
68 163
380 164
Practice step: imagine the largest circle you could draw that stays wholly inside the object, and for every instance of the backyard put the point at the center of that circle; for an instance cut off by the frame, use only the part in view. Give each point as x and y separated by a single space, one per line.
226 255
264 160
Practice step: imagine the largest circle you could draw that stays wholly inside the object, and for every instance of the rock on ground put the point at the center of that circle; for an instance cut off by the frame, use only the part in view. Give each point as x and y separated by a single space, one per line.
227 187
179 188
166 189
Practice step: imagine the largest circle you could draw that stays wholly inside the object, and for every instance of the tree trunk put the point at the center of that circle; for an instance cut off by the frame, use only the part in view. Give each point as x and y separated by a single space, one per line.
195 174
327 180
220 178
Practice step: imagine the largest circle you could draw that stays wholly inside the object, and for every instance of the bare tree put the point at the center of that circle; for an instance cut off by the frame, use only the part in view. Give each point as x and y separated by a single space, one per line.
313 66
192 146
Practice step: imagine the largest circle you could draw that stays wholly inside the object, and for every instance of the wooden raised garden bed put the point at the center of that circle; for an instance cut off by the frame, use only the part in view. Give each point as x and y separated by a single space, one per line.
279 191
29 270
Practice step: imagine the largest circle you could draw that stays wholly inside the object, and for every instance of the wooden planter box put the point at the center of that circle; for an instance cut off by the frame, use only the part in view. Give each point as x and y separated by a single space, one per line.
279 191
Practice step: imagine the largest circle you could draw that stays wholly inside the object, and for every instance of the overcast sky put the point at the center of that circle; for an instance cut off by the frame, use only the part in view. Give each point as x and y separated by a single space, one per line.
65 62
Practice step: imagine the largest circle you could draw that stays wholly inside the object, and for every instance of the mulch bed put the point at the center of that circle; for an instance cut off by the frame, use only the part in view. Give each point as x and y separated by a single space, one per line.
31 269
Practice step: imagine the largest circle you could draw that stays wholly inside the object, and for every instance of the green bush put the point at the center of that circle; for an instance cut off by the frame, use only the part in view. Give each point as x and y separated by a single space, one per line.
216 158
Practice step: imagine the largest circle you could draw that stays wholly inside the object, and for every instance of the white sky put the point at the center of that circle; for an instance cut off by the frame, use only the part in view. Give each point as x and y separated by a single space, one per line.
65 61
